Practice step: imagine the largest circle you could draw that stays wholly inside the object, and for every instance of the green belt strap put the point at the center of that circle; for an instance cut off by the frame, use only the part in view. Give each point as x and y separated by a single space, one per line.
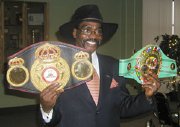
149 57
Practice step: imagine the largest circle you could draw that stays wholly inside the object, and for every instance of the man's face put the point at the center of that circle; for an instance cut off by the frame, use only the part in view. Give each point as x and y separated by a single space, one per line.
88 35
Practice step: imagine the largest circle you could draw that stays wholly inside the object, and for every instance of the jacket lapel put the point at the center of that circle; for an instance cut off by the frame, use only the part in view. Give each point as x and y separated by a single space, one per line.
105 80
85 96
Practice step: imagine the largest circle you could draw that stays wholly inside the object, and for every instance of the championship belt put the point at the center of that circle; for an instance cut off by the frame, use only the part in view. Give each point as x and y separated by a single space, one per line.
39 65
150 58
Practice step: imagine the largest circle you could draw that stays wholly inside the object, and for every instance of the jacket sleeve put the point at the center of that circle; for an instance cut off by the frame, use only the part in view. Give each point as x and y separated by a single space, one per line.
133 105
56 117
130 105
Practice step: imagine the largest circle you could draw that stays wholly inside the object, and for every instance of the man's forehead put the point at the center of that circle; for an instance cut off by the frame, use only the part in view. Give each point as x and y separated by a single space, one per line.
90 23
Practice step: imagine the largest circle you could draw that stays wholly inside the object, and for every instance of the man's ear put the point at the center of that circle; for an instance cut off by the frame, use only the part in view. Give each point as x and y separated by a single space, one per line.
74 33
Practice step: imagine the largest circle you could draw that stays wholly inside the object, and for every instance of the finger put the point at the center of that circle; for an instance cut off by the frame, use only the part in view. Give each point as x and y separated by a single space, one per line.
56 95
155 81
147 86
51 89
59 91
152 82
49 101
152 76
151 87
54 98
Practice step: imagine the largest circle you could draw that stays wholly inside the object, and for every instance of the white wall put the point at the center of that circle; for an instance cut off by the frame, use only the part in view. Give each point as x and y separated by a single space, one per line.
156 19
177 17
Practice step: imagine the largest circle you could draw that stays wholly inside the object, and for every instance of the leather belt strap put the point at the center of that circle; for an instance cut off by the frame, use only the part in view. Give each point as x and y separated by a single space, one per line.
39 65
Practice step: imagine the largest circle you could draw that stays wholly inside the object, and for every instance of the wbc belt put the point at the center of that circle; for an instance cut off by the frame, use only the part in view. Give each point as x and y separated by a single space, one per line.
150 58
39 65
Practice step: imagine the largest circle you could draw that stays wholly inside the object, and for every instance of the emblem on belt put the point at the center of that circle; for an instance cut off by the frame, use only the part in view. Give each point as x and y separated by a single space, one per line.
49 67
150 60
17 74
82 69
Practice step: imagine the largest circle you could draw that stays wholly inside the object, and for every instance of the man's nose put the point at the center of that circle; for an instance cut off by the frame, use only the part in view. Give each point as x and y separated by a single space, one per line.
93 35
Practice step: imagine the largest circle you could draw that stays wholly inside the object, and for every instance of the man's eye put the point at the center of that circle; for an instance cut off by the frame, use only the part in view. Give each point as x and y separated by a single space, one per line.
86 31
89 30
99 31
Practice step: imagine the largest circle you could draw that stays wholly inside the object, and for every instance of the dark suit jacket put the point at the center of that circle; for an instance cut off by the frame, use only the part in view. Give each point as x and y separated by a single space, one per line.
76 108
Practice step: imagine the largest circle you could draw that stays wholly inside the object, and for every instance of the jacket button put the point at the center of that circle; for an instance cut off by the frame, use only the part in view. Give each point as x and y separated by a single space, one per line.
97 112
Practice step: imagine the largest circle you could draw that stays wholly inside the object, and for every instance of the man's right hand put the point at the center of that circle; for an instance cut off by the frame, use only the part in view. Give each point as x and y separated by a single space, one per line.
49 96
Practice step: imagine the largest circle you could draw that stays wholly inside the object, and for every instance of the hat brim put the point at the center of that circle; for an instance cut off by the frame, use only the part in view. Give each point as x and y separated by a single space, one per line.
66 30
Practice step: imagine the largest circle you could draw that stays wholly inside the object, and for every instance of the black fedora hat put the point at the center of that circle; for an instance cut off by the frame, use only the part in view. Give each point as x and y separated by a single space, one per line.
87 13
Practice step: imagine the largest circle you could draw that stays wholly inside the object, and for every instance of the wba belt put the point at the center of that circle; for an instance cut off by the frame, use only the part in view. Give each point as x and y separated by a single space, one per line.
150 58
39 65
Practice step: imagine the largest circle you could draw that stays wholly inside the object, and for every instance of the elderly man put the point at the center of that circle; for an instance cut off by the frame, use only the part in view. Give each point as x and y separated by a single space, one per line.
100 102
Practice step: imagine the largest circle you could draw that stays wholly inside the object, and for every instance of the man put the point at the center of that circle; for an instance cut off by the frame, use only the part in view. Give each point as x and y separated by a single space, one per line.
83 106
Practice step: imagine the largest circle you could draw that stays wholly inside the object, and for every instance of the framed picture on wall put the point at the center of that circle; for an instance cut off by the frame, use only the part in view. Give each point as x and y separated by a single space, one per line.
35 19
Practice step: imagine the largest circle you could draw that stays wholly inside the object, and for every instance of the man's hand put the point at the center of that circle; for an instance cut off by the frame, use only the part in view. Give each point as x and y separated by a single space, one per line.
151 84
49 96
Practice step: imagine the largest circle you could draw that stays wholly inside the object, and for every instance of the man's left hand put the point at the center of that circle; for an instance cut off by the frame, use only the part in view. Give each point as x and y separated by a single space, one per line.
151 84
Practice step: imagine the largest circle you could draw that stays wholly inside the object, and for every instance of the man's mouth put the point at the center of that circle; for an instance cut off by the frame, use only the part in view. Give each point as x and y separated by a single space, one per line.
91 42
